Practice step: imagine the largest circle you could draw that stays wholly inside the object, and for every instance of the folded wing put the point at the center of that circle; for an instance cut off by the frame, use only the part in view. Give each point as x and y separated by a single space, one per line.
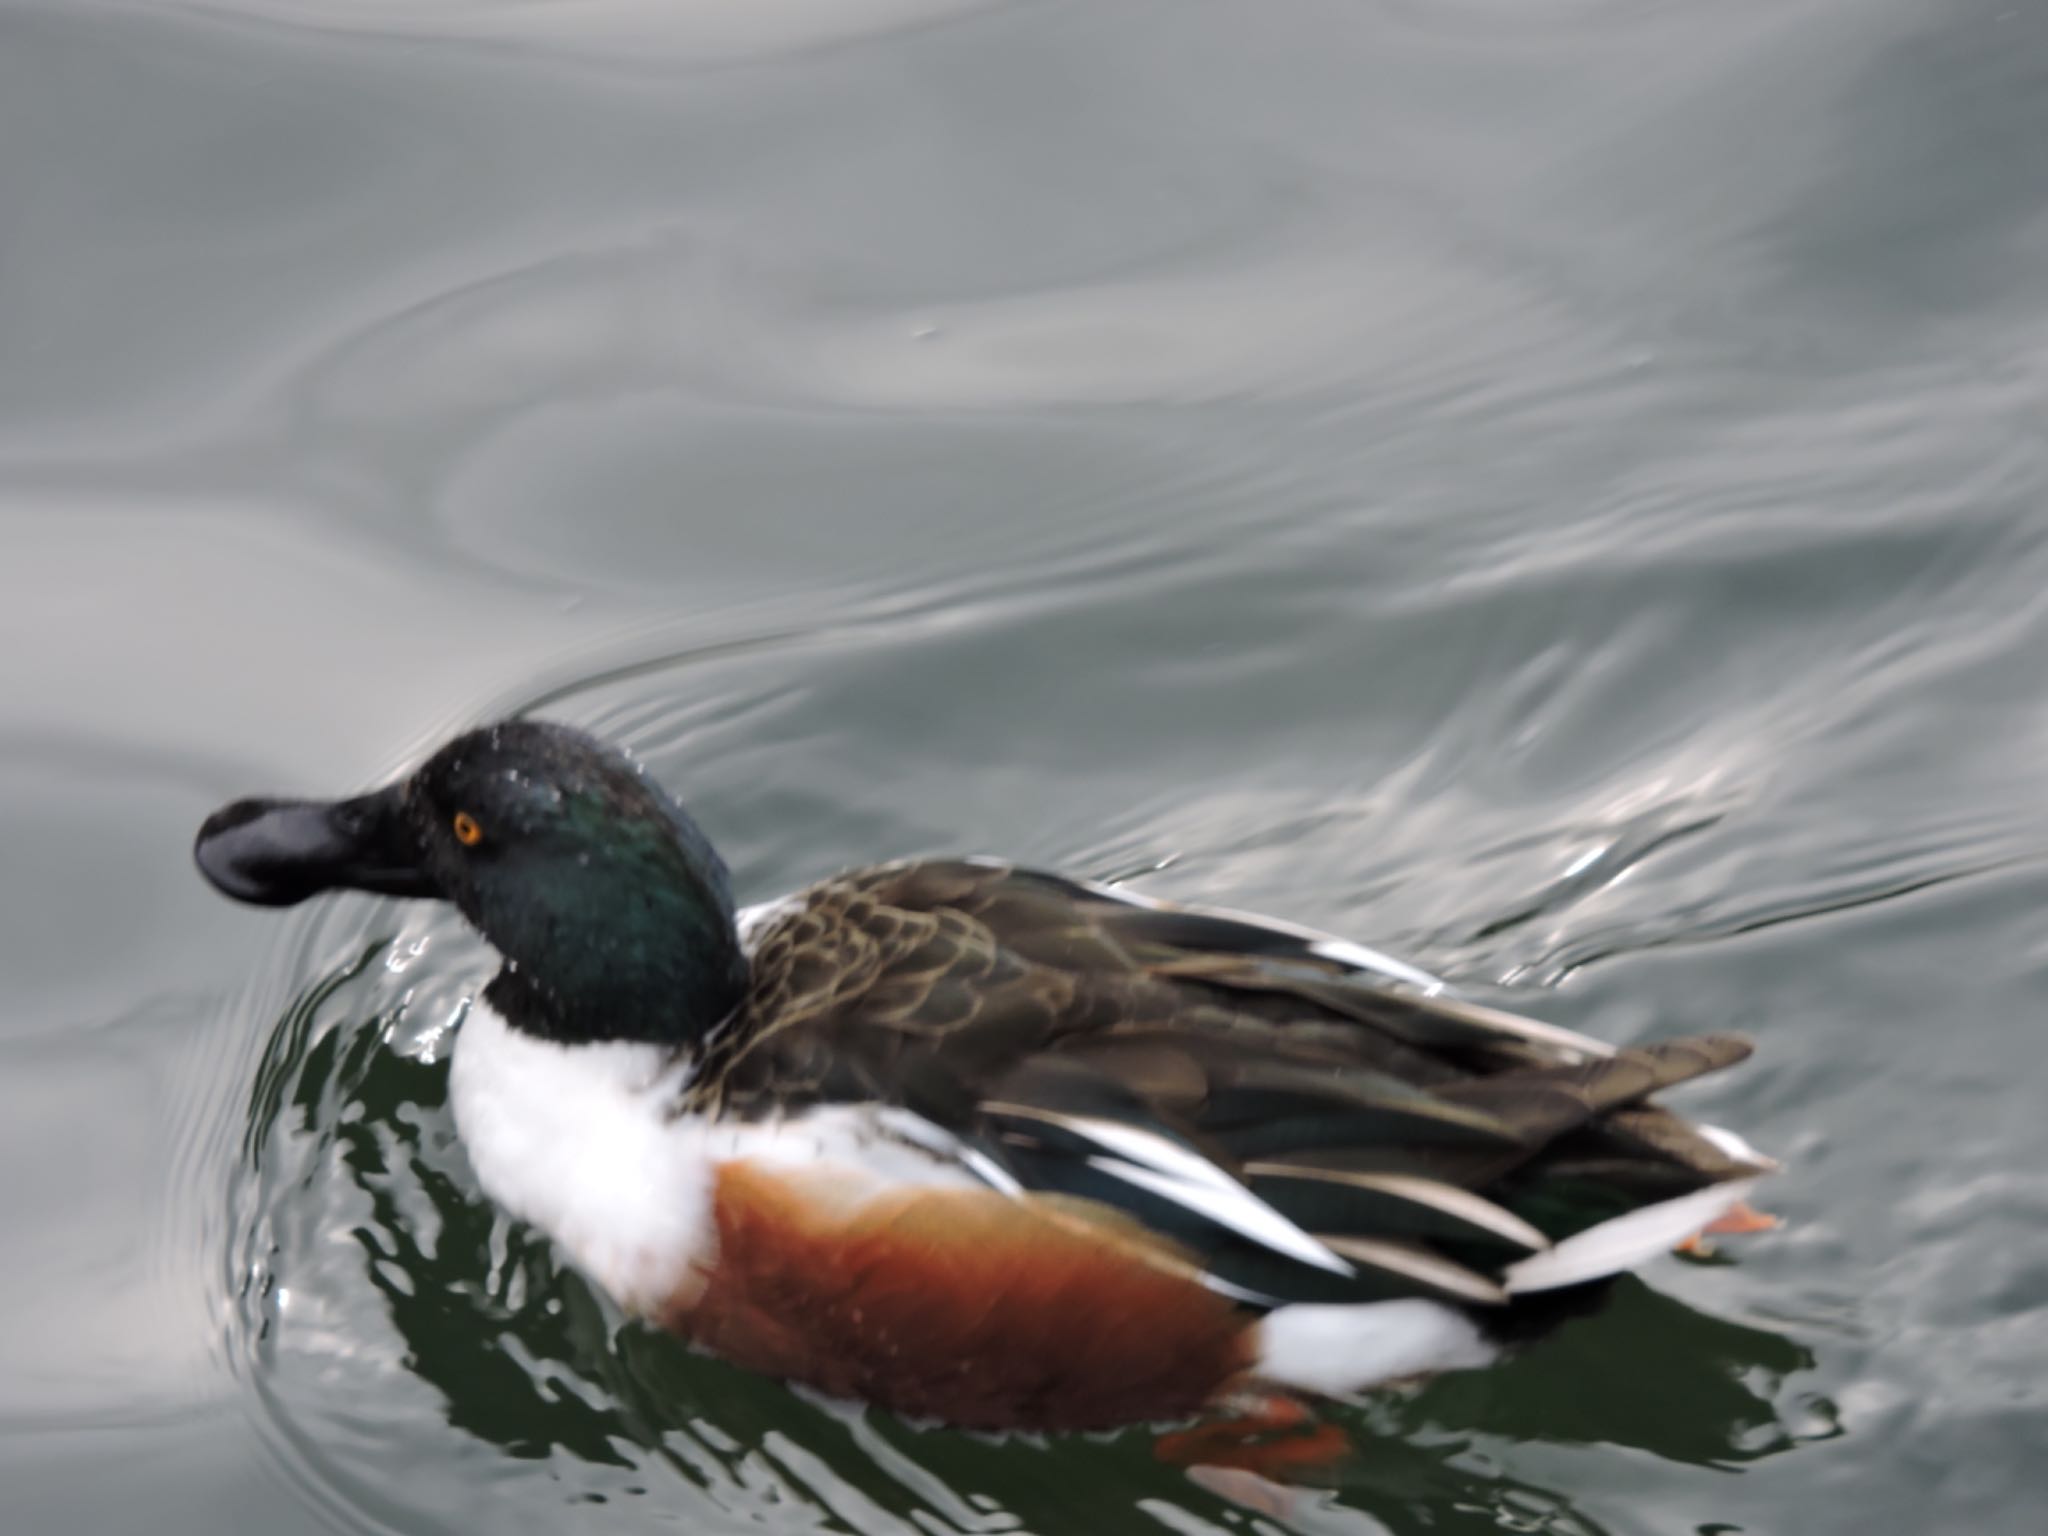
1312 1121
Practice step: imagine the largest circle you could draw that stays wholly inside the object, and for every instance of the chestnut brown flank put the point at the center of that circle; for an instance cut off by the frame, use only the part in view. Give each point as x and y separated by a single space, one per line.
965 1306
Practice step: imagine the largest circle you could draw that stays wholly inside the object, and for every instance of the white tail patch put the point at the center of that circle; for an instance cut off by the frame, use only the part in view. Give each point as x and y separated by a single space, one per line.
1625 1241
1338 1348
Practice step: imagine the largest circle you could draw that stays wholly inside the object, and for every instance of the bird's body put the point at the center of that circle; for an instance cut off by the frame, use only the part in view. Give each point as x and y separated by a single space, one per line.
992 1146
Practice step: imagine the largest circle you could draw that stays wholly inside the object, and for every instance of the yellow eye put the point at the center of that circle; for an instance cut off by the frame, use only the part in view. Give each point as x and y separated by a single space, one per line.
467 832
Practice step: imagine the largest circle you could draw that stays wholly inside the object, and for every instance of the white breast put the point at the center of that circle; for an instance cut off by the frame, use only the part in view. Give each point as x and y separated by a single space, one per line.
573 1140
579 1141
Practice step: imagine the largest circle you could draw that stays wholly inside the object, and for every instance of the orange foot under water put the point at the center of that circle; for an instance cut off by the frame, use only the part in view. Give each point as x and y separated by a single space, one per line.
1252 1453
1738 1219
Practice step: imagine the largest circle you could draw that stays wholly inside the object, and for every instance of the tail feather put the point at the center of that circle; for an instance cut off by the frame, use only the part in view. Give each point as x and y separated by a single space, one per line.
1543 1103
1623 1242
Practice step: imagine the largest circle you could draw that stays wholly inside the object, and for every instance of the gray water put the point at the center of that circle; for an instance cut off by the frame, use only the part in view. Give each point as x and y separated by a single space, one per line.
1555 489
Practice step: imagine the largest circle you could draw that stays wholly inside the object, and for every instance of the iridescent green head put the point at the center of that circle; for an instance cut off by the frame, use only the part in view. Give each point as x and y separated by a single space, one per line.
610 907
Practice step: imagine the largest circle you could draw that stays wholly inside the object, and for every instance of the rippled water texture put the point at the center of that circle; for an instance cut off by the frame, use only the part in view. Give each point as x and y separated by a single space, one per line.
1555 489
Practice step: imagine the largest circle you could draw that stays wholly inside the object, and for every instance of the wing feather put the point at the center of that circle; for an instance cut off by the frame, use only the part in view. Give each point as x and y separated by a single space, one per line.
1312 1120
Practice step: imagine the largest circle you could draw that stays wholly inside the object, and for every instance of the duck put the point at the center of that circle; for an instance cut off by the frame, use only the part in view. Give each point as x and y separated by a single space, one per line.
990 1146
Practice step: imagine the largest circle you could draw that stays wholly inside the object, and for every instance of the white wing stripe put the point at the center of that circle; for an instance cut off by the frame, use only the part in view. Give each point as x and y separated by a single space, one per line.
1153 1162
1153 1151
1460 1204
942 1143
1734 1146
1236 1208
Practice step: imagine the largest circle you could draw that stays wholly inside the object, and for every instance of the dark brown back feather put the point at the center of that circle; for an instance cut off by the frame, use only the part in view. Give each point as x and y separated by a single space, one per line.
1006 1005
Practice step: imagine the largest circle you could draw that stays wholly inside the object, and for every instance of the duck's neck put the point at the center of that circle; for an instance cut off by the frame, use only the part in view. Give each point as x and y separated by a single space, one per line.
621 990
680 1016
625 933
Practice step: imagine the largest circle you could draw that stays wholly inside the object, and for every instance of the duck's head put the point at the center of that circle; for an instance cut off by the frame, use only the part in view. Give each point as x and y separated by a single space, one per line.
610 907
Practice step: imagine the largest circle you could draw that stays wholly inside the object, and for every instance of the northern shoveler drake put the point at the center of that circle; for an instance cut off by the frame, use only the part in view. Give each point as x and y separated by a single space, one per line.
990 1146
